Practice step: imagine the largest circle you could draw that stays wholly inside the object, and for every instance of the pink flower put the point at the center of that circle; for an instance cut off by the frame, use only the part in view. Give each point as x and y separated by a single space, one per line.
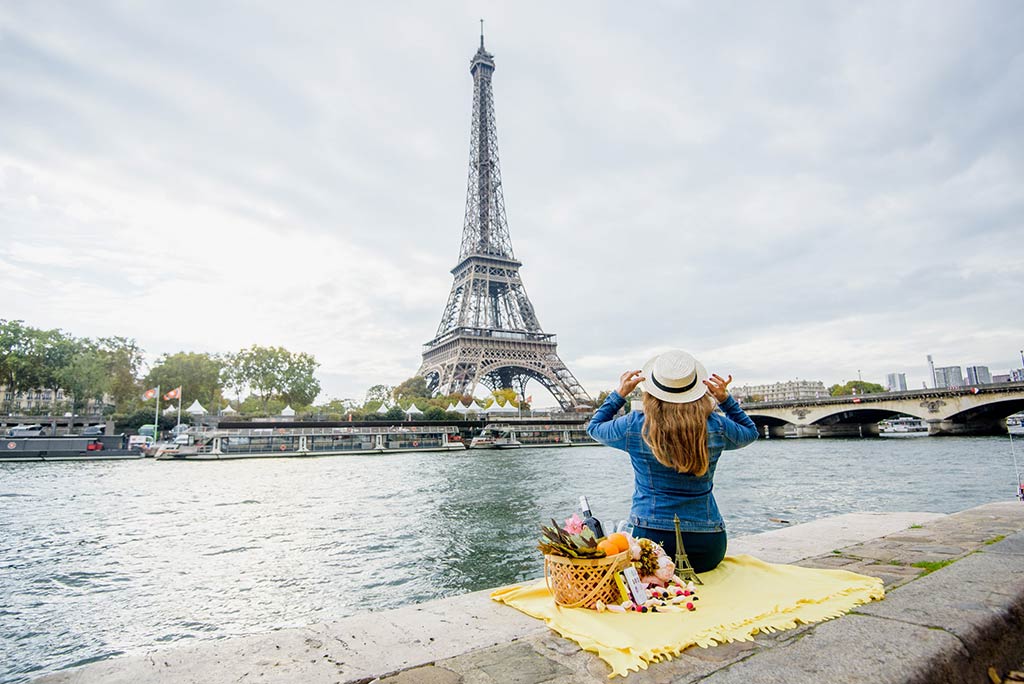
574 525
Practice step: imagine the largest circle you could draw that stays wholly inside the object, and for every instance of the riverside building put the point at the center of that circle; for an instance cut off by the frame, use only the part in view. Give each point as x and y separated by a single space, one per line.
41 400
781 391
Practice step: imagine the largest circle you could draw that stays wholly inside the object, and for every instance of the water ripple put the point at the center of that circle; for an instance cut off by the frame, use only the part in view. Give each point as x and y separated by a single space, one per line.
111 557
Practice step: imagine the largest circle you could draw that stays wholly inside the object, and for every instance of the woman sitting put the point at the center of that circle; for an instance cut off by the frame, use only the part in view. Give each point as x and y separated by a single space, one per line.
674 445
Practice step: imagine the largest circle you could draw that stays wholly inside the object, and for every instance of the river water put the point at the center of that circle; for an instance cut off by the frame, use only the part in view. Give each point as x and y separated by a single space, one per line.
102 558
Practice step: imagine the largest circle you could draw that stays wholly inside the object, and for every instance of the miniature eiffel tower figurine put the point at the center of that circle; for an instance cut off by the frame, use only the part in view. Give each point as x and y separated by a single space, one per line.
683 568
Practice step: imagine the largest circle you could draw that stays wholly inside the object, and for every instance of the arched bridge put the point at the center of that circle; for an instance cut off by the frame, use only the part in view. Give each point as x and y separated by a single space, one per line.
976 410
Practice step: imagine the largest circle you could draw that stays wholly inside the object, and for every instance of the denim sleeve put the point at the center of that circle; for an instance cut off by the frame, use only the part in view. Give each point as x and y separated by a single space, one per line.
607 429
737 428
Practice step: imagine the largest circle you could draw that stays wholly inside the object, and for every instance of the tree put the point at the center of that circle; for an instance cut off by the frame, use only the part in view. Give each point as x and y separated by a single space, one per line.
274 371
435 413
85 376
123 358
299 386
198 375
20 357
411 389
377 393
58 351
506 396
860 386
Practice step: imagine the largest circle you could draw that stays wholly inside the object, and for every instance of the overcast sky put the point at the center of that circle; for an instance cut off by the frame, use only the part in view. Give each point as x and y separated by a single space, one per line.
787 190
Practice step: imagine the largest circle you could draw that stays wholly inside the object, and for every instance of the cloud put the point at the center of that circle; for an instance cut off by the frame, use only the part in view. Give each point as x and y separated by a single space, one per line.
801 191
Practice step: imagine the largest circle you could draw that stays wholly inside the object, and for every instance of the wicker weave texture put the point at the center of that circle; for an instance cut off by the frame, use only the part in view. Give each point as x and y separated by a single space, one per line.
582 582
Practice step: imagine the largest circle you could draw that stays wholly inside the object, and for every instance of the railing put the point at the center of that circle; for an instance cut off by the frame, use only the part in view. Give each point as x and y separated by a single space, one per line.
515 335
330 431
993 388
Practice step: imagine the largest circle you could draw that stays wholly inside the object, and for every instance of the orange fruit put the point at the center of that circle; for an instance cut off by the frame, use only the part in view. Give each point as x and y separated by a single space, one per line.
620 541
609 547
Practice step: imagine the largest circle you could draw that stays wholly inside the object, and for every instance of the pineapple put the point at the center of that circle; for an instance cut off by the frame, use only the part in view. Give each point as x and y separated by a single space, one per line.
558 542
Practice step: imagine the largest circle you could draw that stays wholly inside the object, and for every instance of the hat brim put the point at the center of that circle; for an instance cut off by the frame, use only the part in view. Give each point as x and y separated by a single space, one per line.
698 391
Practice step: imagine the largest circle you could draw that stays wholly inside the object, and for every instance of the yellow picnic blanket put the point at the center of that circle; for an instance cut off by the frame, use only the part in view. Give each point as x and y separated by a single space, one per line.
739 598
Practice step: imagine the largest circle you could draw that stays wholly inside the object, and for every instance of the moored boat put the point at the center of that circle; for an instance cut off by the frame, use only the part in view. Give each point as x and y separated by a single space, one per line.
66 448
296 442
514 436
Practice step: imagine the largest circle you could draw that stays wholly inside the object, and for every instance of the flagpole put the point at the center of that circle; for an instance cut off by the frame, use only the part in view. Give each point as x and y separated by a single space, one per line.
156 417
179 405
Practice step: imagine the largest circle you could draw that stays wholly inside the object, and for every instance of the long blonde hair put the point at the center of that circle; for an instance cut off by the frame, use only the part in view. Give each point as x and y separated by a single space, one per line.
678 433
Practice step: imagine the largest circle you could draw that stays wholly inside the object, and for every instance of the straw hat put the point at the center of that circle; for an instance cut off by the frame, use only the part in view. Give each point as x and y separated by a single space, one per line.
675 377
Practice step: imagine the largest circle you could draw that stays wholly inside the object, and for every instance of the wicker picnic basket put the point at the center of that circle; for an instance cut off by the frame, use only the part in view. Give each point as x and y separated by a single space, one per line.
582 582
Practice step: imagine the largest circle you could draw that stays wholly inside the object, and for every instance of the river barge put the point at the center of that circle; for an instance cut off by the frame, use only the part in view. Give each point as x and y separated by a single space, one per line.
298 442
514 436
69 448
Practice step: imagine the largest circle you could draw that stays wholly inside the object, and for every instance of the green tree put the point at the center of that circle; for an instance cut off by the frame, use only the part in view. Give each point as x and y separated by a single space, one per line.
54 351
274 372
299 384
21 363
855 387
377 393
198 375
123 358
254 406
411 389
85 376
435 413
394 413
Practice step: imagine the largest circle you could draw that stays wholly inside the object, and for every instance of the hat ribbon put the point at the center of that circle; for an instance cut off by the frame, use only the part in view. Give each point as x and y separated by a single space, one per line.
674 390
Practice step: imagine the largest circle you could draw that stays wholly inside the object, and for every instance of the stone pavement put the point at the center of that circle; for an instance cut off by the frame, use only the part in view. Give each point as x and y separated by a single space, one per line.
954 609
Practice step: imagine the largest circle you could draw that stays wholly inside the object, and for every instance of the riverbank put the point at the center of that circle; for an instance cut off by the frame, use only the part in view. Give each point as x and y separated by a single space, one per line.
949 625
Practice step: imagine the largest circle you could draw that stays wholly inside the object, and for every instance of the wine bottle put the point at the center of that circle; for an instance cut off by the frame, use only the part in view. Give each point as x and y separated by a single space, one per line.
589 521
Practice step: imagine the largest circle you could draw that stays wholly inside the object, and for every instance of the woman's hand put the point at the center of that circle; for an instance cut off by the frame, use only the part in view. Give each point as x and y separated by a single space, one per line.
629 381
718 387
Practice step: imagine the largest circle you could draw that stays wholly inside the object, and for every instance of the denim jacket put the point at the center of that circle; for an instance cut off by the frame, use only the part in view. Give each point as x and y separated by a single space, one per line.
660 492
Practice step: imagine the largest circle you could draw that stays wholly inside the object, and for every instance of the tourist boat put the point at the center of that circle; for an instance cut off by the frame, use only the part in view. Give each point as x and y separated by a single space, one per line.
69 448
295 441
902 425
514 436
494 440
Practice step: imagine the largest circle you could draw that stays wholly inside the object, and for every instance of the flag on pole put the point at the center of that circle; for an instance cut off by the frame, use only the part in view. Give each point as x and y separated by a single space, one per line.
173 394
149 394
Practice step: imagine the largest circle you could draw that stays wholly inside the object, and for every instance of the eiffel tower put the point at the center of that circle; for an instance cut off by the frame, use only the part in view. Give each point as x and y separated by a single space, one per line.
489 333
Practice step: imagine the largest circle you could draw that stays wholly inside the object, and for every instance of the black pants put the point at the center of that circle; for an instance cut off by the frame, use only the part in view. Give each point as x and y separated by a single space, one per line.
704 550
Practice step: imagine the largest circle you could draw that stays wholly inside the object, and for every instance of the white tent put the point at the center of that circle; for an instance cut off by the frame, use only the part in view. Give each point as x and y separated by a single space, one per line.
413 408
170 409
461 409
196 409
382 410
451 407
228 411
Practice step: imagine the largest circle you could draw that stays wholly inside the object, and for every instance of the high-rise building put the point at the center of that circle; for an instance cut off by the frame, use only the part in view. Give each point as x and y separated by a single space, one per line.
931 371
896 382
949 376
978 375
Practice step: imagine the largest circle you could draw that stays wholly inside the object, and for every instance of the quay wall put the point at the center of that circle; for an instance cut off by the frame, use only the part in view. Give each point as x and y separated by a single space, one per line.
949 625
